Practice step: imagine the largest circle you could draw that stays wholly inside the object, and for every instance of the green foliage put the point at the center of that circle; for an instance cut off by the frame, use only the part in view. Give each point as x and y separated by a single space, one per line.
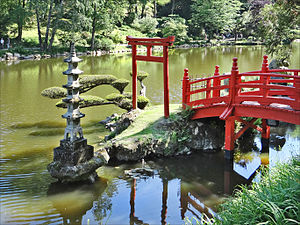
120 84
54 92
279 19
214 17
89 82
116 97
174 25
146 25
105 44
141 75
88 100
142 102
274 200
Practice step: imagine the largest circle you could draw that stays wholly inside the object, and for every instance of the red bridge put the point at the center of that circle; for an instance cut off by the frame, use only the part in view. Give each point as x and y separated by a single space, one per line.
266 94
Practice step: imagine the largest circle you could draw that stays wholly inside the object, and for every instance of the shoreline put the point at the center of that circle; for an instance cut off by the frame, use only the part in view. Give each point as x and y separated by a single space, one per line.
34 54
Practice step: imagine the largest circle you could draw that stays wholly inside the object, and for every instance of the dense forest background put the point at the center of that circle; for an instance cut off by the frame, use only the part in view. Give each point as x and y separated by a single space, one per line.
101 24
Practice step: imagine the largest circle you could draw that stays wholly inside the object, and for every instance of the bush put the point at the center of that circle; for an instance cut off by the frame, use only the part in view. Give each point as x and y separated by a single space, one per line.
141 75
105 44
146 25
120 84
142 102
174 25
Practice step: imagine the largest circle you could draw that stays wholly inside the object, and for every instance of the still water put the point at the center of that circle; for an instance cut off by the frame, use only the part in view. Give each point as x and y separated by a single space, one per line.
31 126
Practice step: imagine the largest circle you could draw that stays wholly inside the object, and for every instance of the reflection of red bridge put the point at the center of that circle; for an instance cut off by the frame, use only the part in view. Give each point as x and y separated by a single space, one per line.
266 94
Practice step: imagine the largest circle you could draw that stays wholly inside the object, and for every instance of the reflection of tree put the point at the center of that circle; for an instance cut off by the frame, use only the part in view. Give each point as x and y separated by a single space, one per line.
73 200
103 205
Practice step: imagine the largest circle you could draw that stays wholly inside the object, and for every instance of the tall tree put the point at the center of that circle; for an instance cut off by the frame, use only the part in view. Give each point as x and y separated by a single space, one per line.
47 13
105 15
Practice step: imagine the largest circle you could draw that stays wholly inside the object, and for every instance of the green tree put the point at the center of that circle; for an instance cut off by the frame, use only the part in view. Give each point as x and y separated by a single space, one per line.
105 15
146 25
278 21
48 14
174 25
214 16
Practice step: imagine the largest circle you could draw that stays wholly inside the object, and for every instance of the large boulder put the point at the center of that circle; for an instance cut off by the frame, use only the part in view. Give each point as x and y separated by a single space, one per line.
177 135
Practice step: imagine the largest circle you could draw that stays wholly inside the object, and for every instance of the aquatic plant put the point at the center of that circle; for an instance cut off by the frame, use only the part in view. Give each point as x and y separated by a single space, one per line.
274 200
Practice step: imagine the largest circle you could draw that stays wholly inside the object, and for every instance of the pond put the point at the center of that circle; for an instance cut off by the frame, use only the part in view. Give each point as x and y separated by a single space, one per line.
31 126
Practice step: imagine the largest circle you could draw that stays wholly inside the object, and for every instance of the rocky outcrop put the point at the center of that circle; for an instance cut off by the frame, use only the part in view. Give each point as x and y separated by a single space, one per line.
177 135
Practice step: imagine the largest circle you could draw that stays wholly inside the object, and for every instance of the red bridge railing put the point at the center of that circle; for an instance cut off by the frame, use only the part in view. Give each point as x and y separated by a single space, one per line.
267 94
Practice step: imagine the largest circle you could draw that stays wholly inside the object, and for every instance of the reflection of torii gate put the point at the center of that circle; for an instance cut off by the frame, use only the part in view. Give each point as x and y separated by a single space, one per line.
136 220
150 42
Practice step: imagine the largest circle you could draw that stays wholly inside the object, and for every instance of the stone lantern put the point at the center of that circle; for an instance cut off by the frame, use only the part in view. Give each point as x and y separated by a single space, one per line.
74 159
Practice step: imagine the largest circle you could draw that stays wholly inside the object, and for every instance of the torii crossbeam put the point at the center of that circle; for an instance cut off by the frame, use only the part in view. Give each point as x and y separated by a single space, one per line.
149 43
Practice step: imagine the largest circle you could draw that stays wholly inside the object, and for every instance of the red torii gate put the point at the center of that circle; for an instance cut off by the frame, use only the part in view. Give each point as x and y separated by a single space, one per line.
149 43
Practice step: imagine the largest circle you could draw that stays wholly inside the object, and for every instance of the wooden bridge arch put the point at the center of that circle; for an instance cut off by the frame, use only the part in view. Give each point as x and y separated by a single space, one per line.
266 94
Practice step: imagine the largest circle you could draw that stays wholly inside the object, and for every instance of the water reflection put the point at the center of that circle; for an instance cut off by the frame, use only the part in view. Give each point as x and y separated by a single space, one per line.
72 201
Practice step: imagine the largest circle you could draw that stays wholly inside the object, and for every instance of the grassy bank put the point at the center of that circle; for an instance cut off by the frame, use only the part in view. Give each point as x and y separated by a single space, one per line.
274 200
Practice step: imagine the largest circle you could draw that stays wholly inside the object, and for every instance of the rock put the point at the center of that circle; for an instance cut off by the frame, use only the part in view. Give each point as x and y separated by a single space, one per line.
9 56
37 56
29 57
169 137
17 55
138 173
75 161
45 56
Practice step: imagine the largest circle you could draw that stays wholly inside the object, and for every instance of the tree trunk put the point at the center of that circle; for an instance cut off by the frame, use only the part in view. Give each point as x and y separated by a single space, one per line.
39 28
173 7
20 22
52 38
154 8
143 10
93 29
48 25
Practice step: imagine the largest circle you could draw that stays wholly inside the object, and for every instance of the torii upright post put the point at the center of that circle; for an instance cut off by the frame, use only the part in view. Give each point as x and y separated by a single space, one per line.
149 43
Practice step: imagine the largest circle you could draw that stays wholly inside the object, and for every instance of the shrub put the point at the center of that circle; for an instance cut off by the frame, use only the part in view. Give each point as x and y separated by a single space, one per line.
146 25
174 25
105 44
142 102
141 75
120 84
116 97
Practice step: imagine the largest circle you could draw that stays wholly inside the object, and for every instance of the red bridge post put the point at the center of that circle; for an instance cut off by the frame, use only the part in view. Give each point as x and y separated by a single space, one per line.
216 93
297 87
185 89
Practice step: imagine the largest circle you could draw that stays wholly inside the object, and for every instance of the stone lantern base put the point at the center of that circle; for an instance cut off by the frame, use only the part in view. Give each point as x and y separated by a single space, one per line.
75 161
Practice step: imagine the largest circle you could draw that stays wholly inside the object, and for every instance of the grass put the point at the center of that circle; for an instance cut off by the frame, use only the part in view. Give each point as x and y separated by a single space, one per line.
274 200
143 124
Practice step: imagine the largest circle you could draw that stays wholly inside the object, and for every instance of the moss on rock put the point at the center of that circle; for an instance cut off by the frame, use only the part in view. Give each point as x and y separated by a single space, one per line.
54 92
120 84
